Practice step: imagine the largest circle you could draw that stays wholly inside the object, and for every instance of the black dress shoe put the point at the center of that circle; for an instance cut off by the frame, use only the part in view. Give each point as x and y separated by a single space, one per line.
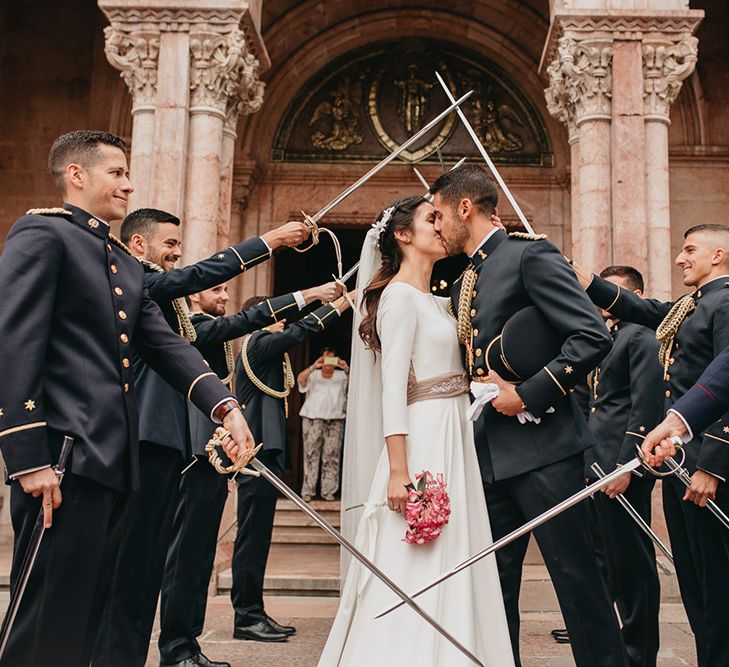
199 660
259 632
283 629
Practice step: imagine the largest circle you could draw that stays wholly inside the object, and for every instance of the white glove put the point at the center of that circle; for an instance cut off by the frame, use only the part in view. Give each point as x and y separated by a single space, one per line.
525 417
483 394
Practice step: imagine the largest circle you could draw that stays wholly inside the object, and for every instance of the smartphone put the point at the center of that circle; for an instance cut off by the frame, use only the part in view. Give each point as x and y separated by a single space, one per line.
331 361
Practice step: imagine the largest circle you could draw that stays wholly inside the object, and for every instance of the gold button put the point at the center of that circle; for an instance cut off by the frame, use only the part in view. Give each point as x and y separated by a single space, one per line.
593 409
668 393
475 333
698 294
124 338
479 371
108 247
473 312
473 294
126 387
122 315
125 362
671 361
479 352
119 291
113 268
668 377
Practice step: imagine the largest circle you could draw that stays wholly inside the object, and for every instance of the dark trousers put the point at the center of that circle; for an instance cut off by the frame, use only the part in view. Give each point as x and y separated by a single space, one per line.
701 556
59 616
190 561
256 508
630 563
565 545
128 618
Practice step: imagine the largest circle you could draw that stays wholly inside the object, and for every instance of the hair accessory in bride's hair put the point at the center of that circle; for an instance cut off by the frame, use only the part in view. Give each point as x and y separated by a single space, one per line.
380 225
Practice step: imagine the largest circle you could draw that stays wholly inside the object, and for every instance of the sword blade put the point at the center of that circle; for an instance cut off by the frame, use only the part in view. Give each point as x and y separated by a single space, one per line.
685 477
350 273
486 158
31 553
334 533
642 524
378 167
525 529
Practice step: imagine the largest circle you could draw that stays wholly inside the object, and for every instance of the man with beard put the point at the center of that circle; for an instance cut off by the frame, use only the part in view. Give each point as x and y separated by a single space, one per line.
530 464
625 403
153 236
203 491
692 331
74 308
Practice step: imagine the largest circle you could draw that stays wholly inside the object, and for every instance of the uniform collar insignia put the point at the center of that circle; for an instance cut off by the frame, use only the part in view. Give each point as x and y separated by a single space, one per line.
86 221
487 247
711 286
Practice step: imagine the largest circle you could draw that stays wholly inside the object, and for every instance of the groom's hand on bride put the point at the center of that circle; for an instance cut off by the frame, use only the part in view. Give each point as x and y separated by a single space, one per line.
508 402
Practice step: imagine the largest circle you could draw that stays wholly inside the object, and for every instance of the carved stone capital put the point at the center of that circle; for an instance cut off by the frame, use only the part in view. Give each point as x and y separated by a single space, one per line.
135 55
665 66
580 81
224 75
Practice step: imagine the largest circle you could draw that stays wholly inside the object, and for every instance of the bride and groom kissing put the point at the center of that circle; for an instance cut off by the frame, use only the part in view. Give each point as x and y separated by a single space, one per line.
409 390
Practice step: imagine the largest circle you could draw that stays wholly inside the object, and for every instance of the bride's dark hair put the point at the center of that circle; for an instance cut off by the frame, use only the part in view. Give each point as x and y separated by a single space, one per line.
401 219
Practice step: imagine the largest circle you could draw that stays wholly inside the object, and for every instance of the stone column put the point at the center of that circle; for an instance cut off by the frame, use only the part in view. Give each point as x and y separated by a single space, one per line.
136 54
665 68
191 67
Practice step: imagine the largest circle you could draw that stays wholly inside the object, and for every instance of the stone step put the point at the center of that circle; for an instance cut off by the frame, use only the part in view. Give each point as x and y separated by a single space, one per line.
283 505
298 518
300 535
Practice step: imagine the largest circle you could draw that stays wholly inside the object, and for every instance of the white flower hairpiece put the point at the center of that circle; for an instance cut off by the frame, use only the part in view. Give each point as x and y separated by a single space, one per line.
380 225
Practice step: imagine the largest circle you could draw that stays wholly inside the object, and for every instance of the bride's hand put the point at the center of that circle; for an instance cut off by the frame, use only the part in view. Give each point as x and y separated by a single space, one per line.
397 493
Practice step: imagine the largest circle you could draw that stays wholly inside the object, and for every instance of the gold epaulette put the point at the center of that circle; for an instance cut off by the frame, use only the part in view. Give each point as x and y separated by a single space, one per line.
48 211
527 237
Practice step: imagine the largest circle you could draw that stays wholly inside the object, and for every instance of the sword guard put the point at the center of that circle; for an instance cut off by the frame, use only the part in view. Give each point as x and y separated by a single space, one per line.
240 463
655 472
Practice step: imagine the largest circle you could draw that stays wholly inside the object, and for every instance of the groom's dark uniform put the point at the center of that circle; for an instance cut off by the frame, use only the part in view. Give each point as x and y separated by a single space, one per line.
528 468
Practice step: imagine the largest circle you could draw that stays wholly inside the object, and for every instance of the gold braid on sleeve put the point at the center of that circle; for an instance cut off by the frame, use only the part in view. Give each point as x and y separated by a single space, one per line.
667 330
464 328
288 376
184 325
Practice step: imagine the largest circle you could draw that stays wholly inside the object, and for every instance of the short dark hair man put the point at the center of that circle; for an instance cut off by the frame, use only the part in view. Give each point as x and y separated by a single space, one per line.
264 378
74 308
154 237
626 401
202 493
692 331
527 468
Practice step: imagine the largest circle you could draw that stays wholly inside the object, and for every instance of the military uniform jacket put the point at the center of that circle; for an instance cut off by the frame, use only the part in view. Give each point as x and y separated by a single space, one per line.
162 411
264 413
626 399
212 333
701 337
514 273
74 306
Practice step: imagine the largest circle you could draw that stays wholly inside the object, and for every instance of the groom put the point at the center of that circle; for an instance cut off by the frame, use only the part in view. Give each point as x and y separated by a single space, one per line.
528 468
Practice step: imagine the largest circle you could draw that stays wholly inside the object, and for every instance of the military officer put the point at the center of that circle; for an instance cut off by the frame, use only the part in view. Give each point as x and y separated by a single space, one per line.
202 493
529 467
691 331
264 379
74 309
153 236
625 403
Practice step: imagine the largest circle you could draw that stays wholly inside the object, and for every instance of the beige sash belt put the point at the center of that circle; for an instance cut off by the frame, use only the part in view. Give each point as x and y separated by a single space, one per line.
440 386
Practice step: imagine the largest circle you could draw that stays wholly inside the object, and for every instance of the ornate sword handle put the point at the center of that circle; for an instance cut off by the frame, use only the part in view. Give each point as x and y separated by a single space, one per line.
653 471
240 463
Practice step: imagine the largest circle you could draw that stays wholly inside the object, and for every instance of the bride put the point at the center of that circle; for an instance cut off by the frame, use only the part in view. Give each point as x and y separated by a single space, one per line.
409 392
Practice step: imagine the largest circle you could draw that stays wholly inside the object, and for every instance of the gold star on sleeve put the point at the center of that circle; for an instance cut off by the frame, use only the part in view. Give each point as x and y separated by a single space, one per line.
725 429
569 370
30 405
642 429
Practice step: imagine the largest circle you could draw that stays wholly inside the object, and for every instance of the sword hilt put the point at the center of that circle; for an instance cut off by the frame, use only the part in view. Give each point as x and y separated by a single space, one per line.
241 461
60 467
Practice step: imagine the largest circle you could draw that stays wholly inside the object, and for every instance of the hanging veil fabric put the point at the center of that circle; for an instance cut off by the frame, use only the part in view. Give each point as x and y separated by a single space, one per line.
363 437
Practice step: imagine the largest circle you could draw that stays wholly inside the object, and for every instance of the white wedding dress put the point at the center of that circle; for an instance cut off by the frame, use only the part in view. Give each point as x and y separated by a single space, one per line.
419 339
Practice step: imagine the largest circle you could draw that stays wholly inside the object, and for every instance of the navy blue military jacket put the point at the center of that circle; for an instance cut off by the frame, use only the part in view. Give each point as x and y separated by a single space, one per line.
162 411
626 397
514 273
74 307
264 413
212 333
701 337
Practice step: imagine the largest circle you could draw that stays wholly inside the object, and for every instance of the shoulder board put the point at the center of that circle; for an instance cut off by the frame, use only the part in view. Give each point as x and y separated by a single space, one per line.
527 237
48 211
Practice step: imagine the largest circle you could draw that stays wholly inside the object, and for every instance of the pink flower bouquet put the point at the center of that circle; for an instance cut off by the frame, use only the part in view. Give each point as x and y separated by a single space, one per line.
427 509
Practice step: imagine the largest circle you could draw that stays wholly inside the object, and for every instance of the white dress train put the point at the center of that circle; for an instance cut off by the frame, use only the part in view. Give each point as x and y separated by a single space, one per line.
418 336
